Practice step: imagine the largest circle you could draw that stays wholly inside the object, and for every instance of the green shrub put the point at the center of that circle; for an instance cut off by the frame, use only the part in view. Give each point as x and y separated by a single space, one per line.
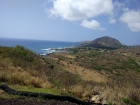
131 64
129 102
98 67
110 103
94 53
117 60
74 51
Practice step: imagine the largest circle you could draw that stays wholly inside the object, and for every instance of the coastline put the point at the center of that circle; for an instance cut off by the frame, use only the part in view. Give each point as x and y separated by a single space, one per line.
42 47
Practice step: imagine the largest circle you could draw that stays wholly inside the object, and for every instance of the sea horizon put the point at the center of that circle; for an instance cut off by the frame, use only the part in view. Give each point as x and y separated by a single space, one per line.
41 47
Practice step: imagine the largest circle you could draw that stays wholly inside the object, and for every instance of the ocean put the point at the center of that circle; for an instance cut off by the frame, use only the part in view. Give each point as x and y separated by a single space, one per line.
41 47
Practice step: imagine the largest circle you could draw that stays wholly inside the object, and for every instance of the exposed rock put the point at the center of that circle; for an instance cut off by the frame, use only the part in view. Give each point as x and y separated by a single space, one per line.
96 98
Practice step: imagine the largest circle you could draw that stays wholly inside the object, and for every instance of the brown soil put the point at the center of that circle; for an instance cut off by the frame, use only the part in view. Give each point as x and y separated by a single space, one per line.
25 101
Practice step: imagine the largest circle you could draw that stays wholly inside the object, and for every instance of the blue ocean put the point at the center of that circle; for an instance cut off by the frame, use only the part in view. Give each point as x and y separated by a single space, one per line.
41 47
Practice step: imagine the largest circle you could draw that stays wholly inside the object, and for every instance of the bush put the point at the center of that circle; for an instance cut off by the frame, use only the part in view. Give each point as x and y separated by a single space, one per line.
131 64
129 102
75 51
98 67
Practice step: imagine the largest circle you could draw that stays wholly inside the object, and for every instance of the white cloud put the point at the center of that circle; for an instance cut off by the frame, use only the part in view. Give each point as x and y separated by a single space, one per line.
92 25
118 7
80 9
125 9
132 19
112 21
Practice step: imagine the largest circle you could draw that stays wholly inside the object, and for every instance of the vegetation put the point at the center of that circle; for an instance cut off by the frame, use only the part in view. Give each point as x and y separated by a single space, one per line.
19 65
130 102
115 74
122 72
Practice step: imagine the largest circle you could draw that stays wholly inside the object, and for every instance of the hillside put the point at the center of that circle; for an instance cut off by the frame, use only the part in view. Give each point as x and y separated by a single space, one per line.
105 42
21 66
113 74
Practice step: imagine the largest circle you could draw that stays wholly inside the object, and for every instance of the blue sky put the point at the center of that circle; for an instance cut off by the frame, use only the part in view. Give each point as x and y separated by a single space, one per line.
71 20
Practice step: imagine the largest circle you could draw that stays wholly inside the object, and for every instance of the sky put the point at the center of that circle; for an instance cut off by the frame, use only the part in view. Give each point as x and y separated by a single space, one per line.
71 20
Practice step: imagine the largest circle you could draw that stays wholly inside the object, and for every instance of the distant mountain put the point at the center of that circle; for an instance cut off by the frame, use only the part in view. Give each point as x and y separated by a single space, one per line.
83 42
105 42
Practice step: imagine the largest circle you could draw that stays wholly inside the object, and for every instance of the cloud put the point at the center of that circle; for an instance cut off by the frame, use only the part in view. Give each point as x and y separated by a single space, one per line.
112 21
118 7
92 25
73 10
132 19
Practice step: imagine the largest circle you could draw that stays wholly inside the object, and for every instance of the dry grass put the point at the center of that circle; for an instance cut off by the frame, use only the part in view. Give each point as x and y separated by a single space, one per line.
111 74
109 92
17 75
134 95
84 73
20 66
